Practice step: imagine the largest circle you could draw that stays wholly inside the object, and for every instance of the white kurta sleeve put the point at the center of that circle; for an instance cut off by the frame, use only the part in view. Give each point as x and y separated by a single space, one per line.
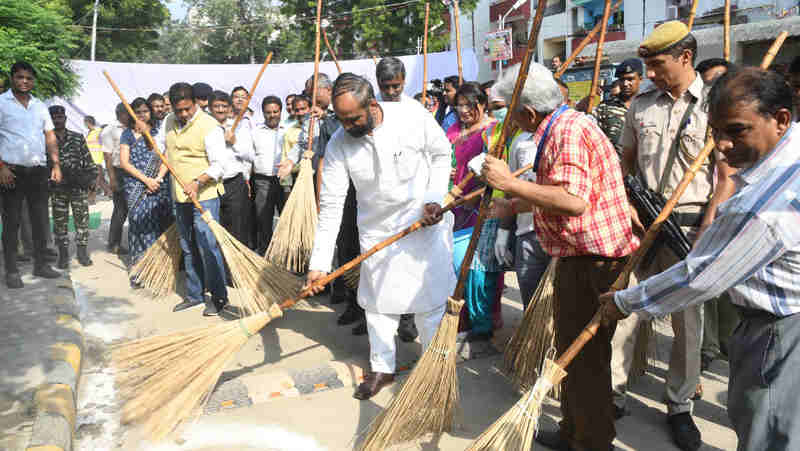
243 148
438 151
215 150
335 182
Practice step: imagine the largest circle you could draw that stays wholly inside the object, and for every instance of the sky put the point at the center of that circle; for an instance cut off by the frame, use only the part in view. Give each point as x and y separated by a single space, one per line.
177 9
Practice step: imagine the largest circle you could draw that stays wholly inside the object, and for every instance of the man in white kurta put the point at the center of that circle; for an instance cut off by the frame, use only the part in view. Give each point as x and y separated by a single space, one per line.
398 159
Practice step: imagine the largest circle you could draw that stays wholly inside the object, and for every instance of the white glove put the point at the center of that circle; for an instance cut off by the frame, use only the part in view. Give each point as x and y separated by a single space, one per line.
476 164
501 250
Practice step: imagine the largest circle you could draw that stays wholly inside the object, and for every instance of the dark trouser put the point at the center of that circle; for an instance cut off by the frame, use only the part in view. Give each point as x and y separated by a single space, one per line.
235 208
347 245
586 402
270 198
763 388
120 211
720 319
62 199
530 263
31 185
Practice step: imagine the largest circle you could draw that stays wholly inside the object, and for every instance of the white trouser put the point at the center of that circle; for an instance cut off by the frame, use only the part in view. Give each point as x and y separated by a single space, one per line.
382 329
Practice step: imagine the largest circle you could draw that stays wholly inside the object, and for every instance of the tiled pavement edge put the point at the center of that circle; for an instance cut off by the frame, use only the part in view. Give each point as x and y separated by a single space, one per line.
252 389
56 399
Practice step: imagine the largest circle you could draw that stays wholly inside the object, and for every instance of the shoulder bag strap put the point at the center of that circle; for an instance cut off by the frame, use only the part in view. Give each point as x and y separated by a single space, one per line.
673 150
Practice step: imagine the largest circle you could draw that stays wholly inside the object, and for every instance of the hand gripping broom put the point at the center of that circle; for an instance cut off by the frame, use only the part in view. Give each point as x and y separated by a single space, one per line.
163 379
535 335
257 281
150 270
516 428
293 239
429 399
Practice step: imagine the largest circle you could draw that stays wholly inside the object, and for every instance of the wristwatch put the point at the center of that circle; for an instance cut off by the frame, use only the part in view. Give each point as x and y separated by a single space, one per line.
199 183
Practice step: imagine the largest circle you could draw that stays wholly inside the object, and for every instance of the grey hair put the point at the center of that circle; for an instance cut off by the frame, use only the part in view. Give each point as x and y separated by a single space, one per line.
390 68
540 91
323 81
356 85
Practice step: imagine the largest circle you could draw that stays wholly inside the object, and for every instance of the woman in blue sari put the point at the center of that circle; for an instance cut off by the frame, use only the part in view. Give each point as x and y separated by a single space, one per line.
146 186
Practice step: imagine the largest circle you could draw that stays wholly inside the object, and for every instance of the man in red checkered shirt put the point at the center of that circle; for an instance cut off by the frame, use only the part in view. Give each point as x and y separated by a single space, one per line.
581 215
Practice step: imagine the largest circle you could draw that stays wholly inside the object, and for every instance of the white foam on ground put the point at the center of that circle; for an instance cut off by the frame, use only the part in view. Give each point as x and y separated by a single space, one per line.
206 435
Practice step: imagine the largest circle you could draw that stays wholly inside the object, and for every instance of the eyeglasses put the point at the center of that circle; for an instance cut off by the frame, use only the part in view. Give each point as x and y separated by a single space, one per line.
464 107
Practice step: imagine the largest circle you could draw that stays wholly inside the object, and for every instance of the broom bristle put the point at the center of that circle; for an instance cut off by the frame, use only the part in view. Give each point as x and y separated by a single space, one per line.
258 283
293 239
352 277
515 430
429 399
527 348
163 379
158 267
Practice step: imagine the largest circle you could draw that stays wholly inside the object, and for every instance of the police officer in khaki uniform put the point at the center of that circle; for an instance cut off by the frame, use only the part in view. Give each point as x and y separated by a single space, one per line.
665 129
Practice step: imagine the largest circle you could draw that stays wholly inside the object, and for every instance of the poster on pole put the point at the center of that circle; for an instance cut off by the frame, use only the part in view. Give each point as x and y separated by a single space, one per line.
497 46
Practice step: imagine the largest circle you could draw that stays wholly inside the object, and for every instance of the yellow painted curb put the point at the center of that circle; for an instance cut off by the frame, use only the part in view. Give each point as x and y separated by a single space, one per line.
56 399
70 322
68 352
44 448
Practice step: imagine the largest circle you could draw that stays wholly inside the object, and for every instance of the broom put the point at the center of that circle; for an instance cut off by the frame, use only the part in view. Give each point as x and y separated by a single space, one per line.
163 379
149 270
293 239
427 401
256 280
512 431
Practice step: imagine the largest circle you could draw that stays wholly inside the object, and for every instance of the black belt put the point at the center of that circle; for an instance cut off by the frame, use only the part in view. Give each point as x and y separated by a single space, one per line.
690 219
232 179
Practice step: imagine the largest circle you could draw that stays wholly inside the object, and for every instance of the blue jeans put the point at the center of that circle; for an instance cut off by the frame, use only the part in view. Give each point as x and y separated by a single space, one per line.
202 257
530 263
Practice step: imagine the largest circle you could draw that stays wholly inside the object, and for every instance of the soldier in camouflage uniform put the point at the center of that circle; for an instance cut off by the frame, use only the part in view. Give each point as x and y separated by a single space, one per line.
610 114
73 190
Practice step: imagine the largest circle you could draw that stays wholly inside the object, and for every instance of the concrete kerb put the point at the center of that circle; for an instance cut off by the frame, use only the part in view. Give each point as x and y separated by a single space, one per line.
56 399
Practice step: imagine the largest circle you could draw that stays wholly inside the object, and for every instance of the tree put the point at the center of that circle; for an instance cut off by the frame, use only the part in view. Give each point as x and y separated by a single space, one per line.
126 29
42 37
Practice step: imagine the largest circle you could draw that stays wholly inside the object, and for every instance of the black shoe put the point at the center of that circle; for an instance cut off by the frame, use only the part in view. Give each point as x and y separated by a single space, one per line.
211 310
63 257
83 256
361 329
14 281
684 432
705 361
552 440
350 315
46 272
373 383
620 412
407 329
187 303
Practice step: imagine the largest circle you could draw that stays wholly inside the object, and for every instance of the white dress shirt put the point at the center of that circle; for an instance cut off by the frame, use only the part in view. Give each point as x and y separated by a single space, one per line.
110 138
22 131
403 165
215 146
239 156
268 143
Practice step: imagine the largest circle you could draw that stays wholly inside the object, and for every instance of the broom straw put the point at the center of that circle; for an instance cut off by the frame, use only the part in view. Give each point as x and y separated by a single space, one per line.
256 280
598 57
252 90
330 50
425 55
496 437
150 270
294 237
426 403
588 39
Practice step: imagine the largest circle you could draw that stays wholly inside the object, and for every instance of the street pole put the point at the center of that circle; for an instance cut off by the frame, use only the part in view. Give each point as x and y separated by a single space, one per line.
94 28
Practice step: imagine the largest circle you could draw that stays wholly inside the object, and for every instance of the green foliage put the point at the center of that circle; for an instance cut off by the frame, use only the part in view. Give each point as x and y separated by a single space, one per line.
42 37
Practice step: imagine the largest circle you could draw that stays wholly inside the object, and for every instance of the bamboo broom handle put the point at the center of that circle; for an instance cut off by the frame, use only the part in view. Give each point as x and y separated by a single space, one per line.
591 329
330 50
456 14
151 141
312 120
726 38
582 45
598 56
692 13
425 55
497 151
387 242
252 90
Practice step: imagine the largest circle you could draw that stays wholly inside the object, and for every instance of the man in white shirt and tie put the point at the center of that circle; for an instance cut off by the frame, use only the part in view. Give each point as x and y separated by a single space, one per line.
268 168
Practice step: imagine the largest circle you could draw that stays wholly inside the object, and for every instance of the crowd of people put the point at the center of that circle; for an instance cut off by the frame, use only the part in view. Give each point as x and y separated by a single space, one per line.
382 160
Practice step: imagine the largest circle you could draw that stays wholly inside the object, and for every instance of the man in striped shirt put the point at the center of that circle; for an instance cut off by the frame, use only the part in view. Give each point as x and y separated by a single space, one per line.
751 250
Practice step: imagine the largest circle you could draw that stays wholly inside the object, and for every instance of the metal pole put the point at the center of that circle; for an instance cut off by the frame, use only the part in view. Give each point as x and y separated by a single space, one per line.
94 27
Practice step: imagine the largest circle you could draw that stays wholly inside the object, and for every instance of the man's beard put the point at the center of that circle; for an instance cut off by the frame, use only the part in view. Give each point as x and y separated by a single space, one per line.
362 130
390 98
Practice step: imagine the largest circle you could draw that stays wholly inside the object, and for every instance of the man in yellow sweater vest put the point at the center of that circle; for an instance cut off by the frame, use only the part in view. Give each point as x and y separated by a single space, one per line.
195 146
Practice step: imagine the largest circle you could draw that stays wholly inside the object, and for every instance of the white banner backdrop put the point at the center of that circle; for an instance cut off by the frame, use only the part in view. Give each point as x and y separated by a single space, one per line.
96 98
